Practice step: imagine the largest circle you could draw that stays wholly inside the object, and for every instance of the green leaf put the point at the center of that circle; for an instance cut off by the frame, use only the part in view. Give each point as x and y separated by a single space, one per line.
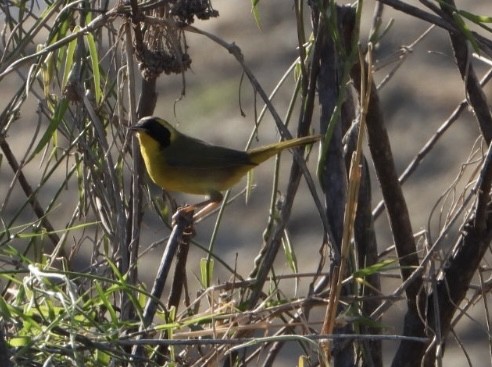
298 70
20 341
69 58
289 253
95 67
102 357
4 310
47 72
107 303
249 185
475 18
55 121
44 232
460 23
373 269
206 271
366 321
256 12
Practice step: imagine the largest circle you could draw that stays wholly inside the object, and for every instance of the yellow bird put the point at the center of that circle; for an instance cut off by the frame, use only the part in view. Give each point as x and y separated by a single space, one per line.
177 162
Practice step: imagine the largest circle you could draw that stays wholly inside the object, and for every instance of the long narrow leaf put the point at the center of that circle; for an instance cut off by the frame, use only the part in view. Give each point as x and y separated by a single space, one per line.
69 59
55 121
95 67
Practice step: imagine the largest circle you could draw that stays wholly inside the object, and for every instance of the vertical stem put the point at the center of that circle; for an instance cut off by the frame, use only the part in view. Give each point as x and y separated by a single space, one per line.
136 209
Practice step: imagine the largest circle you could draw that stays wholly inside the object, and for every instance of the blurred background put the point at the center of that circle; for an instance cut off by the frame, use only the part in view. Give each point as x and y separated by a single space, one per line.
416 100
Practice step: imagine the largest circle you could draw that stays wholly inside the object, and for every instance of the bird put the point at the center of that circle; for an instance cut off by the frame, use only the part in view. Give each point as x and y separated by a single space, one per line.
181 163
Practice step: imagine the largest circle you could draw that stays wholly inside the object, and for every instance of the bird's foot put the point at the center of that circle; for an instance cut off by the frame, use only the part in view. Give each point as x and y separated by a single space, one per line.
186 212
184 216
205 208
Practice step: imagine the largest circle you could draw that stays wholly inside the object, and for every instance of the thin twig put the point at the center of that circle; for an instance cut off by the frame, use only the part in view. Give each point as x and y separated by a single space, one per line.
136 188
424 151
485 43
28 191
183 220
97 23
239 341
475 95
284 132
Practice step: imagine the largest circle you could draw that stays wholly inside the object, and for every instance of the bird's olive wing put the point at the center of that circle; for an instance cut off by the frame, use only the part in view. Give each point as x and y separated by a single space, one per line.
193 153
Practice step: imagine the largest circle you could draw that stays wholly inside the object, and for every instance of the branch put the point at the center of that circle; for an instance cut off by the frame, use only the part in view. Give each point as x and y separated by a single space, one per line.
485 43
97 23
475 94
399 219
429 145
297 169
284 132
184 220
29 192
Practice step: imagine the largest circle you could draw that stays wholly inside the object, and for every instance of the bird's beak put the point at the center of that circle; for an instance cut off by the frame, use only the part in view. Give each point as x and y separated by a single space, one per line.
135 128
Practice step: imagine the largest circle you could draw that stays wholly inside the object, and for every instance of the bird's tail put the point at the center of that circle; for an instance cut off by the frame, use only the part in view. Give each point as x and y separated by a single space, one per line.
261 154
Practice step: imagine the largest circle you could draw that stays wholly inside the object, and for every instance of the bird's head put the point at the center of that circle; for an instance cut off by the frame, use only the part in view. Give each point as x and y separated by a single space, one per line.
157 129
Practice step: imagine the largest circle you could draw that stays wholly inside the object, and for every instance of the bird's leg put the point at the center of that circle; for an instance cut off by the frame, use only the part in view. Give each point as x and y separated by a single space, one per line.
214 200
205 207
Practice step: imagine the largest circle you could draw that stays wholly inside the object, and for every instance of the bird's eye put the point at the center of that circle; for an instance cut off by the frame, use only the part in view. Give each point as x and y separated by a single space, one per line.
160 133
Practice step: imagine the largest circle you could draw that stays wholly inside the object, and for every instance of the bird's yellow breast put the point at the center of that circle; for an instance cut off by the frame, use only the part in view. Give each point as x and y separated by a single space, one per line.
190 179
